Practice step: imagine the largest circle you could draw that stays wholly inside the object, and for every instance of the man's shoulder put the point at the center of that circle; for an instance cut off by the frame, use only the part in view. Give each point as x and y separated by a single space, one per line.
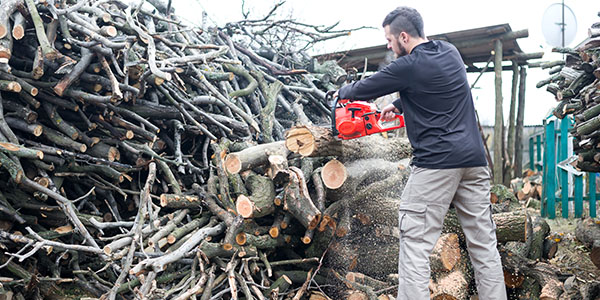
443 44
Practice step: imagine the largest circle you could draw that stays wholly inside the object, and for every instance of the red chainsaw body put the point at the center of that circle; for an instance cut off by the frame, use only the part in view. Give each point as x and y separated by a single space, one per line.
354 119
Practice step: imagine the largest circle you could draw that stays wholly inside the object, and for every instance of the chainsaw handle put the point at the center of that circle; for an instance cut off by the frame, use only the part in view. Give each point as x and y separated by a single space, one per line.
401 124
329 95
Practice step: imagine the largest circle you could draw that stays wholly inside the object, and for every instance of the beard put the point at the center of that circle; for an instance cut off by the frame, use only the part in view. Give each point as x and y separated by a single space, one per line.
401 49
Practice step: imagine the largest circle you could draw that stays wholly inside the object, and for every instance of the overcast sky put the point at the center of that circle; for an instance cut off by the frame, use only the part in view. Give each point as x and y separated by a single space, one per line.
439 17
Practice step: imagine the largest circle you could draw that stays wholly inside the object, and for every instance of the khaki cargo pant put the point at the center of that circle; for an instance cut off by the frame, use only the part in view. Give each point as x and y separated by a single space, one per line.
425 202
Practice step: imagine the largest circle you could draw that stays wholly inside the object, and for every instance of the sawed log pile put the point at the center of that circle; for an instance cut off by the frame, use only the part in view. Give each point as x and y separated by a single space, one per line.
575 83
142 158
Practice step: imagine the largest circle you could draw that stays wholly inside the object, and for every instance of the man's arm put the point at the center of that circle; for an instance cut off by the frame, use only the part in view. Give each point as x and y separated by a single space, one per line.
391 79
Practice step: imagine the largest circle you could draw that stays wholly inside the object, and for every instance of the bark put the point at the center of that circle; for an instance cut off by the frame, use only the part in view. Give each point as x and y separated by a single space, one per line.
446 253
252 157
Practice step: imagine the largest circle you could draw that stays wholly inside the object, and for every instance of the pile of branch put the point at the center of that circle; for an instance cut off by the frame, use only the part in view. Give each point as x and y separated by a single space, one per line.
142 158
575 83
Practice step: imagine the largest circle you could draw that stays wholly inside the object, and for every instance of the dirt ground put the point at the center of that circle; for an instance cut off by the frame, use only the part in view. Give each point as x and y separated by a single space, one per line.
572 258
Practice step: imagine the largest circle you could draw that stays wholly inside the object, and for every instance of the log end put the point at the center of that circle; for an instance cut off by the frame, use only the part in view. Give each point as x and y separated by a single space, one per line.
513 279
324 221
164 200
171 239
241 238
312 224
109 31
227 247
306 240
82 148
18 32
3 31
334 174
113 154
233 164
284 224
274 232
300 140
38 130
244 206
107 250
14 86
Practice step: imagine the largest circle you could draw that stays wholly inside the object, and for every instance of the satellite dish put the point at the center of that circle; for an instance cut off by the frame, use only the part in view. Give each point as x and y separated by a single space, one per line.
559 25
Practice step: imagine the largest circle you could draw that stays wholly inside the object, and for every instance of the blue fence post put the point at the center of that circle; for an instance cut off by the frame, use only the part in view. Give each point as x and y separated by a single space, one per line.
549 210
538 141
531 155
578 196
564 175
592 194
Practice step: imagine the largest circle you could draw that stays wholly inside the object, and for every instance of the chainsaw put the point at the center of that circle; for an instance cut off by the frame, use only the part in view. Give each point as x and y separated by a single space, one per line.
354 119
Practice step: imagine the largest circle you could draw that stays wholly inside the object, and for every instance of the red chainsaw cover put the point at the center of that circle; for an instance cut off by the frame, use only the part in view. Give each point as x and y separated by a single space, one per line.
359 118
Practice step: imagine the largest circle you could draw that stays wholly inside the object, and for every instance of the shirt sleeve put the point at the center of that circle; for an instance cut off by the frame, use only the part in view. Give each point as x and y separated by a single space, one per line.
393 78
398 104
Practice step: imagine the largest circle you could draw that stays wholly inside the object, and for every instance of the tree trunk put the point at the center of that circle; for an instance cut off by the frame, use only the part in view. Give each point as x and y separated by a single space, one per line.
499 124
317 141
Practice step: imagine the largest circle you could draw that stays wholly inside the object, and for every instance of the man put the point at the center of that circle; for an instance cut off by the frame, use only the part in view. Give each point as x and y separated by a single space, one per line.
448 165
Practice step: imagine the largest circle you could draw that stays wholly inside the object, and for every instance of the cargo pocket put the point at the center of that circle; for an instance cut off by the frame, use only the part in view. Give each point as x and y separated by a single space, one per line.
412 221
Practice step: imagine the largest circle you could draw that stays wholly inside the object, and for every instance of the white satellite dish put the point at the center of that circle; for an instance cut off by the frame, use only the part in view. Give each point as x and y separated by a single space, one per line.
559 25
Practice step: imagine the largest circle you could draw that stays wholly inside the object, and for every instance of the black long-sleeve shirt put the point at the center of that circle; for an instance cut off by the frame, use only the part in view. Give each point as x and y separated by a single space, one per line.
436 100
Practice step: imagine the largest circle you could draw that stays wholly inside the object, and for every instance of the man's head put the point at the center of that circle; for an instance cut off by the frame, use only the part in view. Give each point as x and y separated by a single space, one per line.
403 30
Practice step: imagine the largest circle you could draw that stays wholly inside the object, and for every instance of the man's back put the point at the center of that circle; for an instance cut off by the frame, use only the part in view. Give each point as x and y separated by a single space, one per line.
437 104
439 110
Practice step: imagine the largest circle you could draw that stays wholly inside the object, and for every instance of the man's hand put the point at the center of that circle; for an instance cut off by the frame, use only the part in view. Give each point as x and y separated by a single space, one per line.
388 113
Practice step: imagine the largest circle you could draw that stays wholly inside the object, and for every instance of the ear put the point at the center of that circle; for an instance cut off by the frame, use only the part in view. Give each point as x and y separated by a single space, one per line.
404 37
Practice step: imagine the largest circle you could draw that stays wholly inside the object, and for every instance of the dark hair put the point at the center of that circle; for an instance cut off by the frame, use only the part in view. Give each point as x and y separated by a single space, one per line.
405 19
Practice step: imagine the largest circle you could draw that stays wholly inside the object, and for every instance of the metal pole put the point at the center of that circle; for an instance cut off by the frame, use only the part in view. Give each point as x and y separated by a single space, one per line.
562 24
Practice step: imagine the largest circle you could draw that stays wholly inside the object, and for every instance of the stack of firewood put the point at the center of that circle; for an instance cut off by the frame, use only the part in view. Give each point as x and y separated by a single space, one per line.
528 189
142 158
576 86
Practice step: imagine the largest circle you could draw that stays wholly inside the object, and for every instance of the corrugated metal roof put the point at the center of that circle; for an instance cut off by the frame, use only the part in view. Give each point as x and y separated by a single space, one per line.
475 45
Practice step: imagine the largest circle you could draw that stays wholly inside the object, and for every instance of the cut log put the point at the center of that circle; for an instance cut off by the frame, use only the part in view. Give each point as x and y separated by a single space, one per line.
540 231
446 253
252 157
595 253
315 141
550 248
334 174
259 203
180 201
311 140
510 226
453 285
587 231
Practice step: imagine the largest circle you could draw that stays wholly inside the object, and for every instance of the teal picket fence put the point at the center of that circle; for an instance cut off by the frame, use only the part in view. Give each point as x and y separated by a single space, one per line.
561 186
